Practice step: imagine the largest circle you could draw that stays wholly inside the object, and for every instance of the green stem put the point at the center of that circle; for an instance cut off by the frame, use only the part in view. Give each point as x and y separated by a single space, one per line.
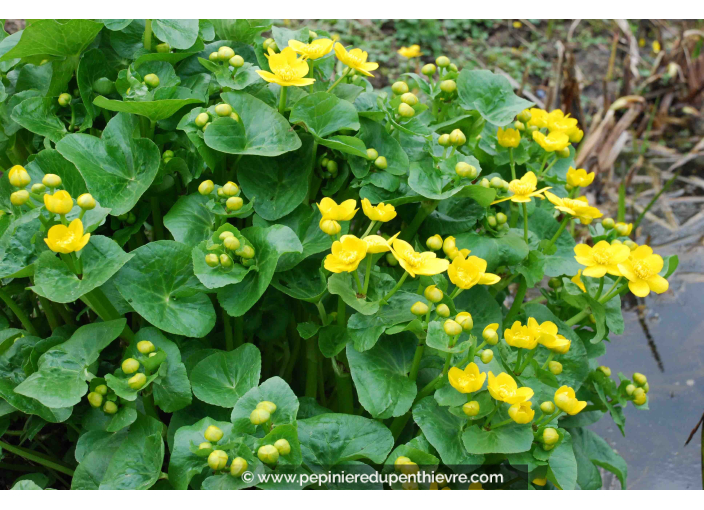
360 287
425 209
239 331
562 226
525 363
513 164
502 423
393 291
413 375
518 301
49 312
311 367
525 222
654 199
503 284
282 100
600 289
157 220
33 457
345 395
367 273
311 73
491 415
369 229
227 326
107 311
26 323
342 76
547 361
148 35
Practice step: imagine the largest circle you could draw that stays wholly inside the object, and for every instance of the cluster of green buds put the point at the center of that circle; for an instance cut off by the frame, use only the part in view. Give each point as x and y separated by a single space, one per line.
376 160
621 229
217 459
269 454
328 167
270 43
227 54
101 397
148 361
167 156
638 389
60 203
203 119
232 248
466 171
228 194
405 107
454 139
262 413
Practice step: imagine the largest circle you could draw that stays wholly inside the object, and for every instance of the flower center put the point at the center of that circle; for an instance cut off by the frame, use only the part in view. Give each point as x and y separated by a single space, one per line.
347 256
520 188
67 239
503 393
642 269
414 259
601 257
286 73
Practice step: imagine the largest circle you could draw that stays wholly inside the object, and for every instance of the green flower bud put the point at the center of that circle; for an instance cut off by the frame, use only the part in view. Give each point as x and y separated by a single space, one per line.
238 467
163 48
631 245
442 61
501 218
268 42
433 294
235 117
496 182
234 203
223 110
524 116
465 170
225 53
434 243
232 243
202 119
491 220
372 154
267 406
608 223
399 87
453 67
555 367
548 447
101 389
268 454
95 399
391 260
246 252
130 366
471 408
259 416
217 460
20 197
51 181
604 370
167 155
206 126
312 35
622 229
145 347
444 140
451 327
332 167
324 162
213 57
283 446
639 379
231 189
486 356
226 261
448 86
247 262
381 163
64 99
406 111
457 138
409 99
443 310
484 183
428 70
646 387
554 283
550 436
205 445
564 153
547 407
419 308
137 381
519 125
213 433
151 80
37 188
110 407
103 86
569 187
212 260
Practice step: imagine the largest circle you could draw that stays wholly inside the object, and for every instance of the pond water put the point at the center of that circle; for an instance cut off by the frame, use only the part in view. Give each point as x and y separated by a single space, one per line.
663 339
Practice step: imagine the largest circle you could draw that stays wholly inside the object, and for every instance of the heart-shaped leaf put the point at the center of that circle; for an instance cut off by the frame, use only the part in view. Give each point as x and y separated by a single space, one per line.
223 378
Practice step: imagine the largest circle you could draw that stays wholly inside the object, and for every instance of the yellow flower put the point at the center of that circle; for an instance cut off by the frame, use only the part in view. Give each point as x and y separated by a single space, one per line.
508 138
566 401
577 280
504 388
346 254
656 46
468 380
63 239
18 176
559 345
540 481
555 141
424 264
377 244
381 212
517 24
579 178
470 271
547 335
521 412
412 51
578 207
521 336
59 203
602 258
641 269
538 118
576 136
287 69
315 50
356 59
343 212
558 121
523 189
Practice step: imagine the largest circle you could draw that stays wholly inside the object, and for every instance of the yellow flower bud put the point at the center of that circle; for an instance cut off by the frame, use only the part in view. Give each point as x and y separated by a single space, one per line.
501 218
409 98
101 389
451 328
444 140
283 446
237 61
225 234
442 61
400 461
225 53
64 99
443 310
486 356
19 177
223 110
20 197
457 138
372 154
38 188
605 370
484 183
550 436
406 111
137 381
110 407
639 397
51 181
540 482
399 87
490 335
555 367
406 466
270 407
145 347
234 203
206 187
213 57
205 445
212 260
434 243
448 86
95 399
232 243
519 125
259 416
428 70
465 320
86 201
225 260
202 119
465 170
646 387
217 460
238 467
268 454
381 163
151 80
448 245
547 407
213 433
630 389
471 408
246 252
639 379
433 294
419 308
496 182
130 366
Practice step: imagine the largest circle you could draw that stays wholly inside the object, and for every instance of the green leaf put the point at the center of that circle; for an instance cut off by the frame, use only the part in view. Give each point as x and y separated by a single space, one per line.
380 376
284 184
543 226
590 446
195 134
38 115
347 144
272 390
444 431
216 277
491 95
482 305
261 131
50 161
222 378
18 243
160 285
344 285
562 465
117 168
269 244
240 30
507 250
375 136
189 221
61 378
431 182
324 114
154 110
93 65
439 340
306 281
330 439
122 388
179 33
124 417
507 439
101 258
332 339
